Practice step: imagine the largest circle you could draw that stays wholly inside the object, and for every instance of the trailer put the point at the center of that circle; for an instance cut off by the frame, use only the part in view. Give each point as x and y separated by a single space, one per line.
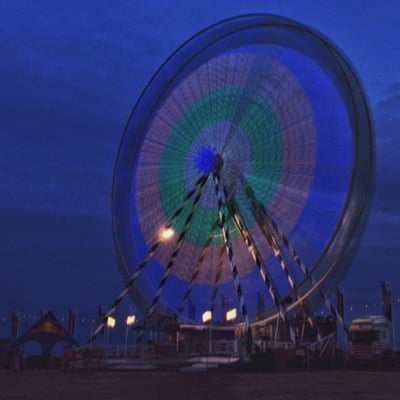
369 341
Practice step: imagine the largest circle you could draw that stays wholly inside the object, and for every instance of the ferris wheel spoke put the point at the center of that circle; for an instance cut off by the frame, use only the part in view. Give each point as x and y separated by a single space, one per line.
259 214
229 250
267 279
217 278
193 278
263 222
272 230
197 269
252 77
125 291
199 184
174 255
308 274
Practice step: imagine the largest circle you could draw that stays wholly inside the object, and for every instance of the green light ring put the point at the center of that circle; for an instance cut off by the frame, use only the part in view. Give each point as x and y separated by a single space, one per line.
263 134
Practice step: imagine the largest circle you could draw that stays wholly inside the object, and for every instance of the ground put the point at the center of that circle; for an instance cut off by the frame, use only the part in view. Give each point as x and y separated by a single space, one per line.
316 385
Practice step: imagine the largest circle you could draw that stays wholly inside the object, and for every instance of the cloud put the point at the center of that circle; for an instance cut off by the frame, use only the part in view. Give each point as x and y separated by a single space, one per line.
379 251
393 89
390 106
387 127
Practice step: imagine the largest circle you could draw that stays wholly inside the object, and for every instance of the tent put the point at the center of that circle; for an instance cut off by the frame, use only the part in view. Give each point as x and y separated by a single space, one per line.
47 332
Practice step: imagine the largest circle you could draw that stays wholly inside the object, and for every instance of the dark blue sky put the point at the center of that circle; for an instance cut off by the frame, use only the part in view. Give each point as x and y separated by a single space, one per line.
71 72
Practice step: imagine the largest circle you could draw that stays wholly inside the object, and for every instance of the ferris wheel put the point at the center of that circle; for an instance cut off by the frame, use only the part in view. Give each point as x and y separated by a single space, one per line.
243 175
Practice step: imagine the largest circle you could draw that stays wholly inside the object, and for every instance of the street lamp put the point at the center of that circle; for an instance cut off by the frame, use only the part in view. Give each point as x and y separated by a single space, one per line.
110 324
206 318
130 320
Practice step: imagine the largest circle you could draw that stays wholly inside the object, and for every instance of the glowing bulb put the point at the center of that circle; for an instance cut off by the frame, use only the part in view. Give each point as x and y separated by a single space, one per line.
207 316
111 322
167 233
231 314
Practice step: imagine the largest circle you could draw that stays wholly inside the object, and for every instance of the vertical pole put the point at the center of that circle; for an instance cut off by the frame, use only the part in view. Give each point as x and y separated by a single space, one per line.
394 334
276 330
106 340
126 340
209 339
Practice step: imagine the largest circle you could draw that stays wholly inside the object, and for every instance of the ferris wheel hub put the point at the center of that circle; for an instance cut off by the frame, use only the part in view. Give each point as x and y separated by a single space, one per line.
207 160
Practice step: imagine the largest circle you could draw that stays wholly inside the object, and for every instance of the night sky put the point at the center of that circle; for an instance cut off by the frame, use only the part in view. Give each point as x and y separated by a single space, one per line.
71 72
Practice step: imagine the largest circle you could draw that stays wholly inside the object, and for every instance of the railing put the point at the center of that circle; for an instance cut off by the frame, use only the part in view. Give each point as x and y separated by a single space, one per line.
265 345
216 347
223 348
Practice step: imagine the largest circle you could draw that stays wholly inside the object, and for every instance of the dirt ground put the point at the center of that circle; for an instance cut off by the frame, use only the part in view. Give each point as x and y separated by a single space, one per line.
343 385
